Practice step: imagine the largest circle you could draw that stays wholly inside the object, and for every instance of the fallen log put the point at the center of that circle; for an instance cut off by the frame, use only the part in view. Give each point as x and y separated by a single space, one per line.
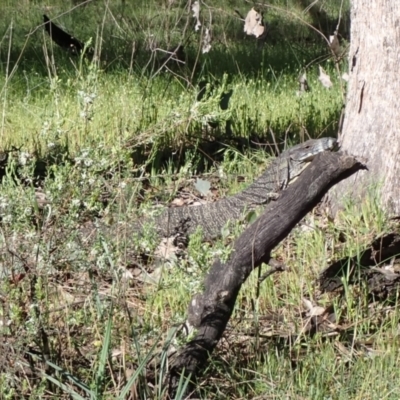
210 311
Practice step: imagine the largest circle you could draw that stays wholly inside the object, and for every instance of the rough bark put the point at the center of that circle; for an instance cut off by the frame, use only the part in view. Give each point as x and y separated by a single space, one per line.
213 309
372 118
213 217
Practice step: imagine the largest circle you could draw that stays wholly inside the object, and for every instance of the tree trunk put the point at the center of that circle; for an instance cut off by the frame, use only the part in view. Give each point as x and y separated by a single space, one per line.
371 127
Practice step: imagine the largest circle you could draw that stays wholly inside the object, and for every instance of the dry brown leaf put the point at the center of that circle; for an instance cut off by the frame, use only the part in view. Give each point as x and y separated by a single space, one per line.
166 250
253 24
314 311
324 78
304 87
196 14
334 44
206 41
178 202
41 199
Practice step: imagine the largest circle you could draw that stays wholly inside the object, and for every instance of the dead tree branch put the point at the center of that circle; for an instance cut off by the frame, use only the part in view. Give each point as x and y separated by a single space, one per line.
210 311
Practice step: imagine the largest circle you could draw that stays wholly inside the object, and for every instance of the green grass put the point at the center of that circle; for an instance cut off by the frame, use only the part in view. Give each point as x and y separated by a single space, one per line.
110 140
149 108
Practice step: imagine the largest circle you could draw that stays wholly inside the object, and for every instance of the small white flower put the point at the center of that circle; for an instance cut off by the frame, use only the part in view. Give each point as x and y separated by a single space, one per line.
24 157
88 162
88 100
28 211
3 202
7 218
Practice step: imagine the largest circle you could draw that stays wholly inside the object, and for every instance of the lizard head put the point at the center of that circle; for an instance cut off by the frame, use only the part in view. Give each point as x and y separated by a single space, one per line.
307 151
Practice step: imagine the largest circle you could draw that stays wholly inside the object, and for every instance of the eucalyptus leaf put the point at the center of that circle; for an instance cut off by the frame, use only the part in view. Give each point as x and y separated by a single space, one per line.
202 186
